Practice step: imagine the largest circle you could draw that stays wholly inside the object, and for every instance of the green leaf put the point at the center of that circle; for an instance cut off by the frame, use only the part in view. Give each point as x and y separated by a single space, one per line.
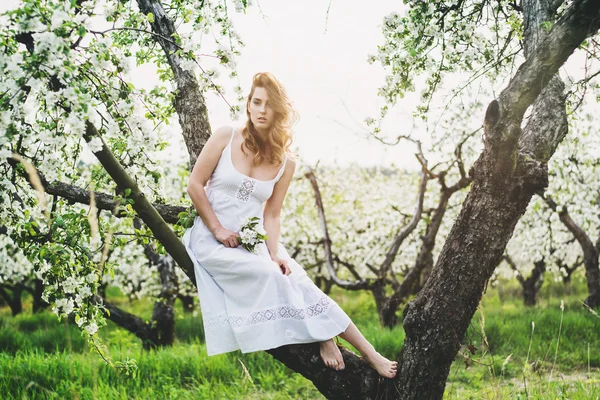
127 191
150 17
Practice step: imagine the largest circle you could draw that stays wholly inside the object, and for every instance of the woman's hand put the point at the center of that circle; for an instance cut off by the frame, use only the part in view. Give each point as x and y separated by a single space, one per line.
227 237
283 265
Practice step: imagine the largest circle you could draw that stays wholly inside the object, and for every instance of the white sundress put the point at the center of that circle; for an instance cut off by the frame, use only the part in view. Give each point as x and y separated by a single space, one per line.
247 303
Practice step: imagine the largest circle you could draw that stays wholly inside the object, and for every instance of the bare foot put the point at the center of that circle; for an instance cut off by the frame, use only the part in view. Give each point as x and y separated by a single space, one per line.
385 367
331 355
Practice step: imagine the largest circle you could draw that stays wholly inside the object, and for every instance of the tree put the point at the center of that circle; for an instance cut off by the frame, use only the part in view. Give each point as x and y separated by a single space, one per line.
531 284
384 275
511 168
15 270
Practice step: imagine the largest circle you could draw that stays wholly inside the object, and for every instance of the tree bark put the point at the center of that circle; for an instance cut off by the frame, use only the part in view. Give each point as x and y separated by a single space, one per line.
104 201
533 284
161 231
162 328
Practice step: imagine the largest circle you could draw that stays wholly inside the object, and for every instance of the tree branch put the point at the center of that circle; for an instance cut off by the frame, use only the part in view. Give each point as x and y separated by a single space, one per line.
329 260
162 232
579 21
104 201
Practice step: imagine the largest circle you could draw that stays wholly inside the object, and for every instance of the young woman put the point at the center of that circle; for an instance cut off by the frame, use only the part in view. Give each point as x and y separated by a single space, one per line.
258 301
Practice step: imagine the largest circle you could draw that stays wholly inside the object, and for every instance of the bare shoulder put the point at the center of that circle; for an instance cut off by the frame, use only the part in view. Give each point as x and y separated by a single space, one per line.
219 139
223 133
290 166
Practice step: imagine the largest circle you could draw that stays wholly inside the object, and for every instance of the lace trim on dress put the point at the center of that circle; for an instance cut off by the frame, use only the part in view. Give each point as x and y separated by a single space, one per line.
245 189
270 314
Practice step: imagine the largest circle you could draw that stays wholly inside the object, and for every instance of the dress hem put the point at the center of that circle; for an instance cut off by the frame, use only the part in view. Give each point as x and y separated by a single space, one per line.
286 341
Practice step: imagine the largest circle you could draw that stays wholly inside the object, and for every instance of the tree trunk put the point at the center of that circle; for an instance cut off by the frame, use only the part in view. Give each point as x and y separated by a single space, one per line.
436 321
529 296
512 167
163 316
592 275
162 327
532 285
12 298
189 101
39 304
187 302
387 317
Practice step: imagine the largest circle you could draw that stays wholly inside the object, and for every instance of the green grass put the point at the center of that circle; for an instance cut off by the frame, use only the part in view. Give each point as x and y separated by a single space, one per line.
43 358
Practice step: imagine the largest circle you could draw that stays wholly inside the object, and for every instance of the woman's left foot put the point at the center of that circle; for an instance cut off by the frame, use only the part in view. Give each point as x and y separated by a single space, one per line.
331 355
384 367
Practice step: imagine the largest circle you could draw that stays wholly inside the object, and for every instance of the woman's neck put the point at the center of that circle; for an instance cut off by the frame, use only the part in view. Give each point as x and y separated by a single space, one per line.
262 134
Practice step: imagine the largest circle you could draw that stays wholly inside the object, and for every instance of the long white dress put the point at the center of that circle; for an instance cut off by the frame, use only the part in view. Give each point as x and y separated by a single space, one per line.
247 302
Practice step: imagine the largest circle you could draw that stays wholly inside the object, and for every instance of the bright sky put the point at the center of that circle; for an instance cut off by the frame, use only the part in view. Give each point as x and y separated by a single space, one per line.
322 62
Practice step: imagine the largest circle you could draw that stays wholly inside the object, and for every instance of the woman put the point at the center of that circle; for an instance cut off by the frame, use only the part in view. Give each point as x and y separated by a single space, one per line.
258 301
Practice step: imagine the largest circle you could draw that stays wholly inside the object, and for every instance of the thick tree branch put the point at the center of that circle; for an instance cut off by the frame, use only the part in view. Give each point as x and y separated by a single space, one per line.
358 380
578 22
126 320
162 232
104 201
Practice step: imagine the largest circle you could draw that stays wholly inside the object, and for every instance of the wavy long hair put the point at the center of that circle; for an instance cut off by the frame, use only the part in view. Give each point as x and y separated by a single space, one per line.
280 133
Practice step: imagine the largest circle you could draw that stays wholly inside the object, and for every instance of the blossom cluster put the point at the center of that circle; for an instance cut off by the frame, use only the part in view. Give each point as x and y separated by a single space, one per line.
252 234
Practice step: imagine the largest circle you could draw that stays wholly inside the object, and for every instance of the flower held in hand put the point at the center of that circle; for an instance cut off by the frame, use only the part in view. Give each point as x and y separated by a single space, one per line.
252 234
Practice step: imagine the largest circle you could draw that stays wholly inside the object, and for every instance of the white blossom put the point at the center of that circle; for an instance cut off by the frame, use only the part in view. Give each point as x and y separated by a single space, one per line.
91 328
95 144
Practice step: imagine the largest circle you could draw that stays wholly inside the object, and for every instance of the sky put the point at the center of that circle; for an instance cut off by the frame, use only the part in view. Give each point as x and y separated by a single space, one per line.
321 59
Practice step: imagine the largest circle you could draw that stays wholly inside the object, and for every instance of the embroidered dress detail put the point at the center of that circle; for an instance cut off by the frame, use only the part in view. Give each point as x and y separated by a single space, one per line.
247 303
245 189
271 314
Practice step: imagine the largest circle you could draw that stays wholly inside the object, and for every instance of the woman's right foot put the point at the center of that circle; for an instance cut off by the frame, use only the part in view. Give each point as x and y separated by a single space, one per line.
384 367
331 355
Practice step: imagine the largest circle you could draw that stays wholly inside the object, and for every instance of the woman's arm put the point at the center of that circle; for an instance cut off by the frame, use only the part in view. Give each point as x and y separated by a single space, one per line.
203 169
271 215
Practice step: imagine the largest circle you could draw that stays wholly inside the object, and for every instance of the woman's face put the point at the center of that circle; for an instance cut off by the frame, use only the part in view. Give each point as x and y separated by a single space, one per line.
262 114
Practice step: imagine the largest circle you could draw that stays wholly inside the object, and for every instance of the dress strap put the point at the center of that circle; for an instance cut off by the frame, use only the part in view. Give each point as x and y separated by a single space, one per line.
232 134
281 169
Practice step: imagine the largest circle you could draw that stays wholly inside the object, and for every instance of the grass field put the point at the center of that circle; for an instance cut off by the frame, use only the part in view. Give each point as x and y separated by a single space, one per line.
538 353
